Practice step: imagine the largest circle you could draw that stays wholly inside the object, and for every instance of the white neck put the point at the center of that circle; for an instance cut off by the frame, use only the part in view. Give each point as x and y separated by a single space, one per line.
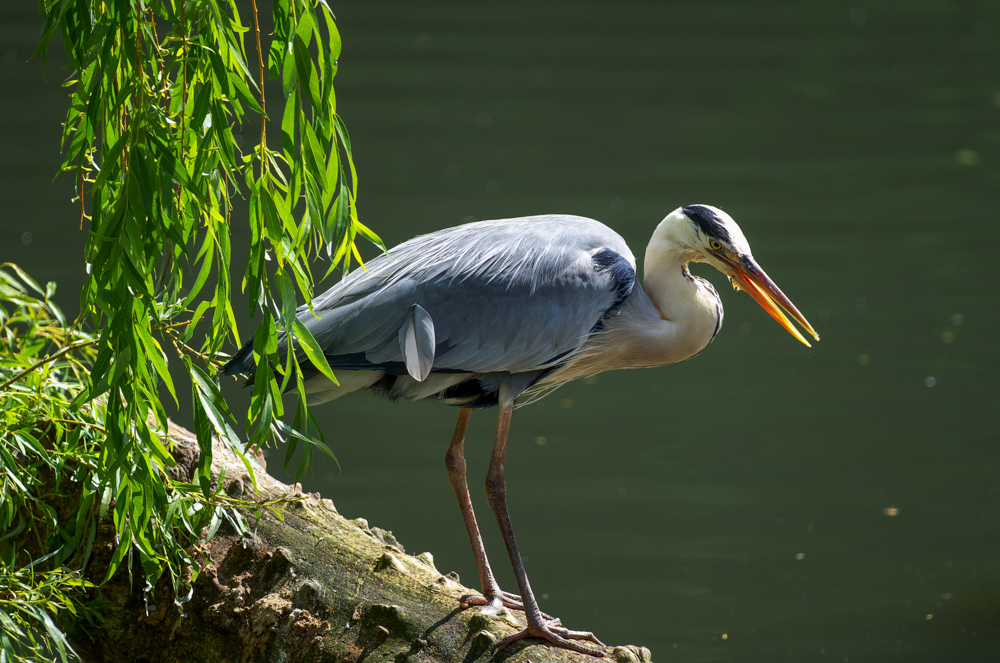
675 321
688 307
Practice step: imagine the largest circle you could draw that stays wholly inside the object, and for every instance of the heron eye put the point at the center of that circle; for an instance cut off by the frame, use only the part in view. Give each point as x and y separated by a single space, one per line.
715 244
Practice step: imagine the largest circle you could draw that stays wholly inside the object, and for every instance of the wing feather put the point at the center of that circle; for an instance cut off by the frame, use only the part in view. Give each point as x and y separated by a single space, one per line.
507 295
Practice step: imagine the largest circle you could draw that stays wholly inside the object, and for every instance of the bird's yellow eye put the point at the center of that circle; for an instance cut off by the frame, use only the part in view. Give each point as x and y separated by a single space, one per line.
715 244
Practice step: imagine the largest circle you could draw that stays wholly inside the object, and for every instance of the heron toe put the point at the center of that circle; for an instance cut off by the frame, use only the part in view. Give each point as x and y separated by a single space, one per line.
558 635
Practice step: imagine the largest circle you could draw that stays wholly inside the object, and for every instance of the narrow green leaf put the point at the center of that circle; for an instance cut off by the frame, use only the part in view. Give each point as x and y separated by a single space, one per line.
121 551
312 350
288 122
155 355
56 637
243 92
288 71
370 236
306 70
315 155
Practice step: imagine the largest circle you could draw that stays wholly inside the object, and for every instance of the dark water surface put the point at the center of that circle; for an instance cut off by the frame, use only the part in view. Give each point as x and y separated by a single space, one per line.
764 501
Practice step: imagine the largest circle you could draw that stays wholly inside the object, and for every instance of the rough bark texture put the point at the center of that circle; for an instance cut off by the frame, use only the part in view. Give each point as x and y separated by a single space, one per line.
311 587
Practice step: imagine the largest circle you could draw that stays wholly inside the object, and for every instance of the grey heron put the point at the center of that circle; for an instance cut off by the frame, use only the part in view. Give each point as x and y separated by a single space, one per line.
480 314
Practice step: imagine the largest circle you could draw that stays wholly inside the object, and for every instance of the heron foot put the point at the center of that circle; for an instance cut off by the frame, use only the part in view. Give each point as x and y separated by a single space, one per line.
557 634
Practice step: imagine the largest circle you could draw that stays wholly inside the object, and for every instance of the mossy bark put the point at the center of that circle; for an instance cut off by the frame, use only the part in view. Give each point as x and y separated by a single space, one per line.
310 586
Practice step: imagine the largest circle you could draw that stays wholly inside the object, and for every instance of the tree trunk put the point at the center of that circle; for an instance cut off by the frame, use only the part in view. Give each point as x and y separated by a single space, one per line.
312 586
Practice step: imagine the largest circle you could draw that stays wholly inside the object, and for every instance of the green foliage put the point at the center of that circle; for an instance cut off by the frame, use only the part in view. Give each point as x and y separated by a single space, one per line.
151 132
43 367
28 599
47 457
51 490
161 91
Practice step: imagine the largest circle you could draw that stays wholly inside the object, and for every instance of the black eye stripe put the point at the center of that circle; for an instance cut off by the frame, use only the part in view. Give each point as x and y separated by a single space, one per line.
707 222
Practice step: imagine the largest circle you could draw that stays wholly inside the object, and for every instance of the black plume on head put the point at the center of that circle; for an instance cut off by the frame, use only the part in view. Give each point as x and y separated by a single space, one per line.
708 222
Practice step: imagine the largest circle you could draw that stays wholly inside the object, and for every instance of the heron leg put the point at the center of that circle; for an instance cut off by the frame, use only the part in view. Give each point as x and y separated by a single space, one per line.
540 625
493 597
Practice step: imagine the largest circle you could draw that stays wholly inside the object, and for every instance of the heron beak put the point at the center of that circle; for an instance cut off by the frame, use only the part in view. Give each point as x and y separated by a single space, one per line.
747 275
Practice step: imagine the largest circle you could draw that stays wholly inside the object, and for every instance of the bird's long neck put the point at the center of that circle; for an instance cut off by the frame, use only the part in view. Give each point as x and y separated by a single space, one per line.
672 318
688 310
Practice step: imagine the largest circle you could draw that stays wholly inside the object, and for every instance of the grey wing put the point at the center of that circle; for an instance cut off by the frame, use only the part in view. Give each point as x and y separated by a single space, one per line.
513 295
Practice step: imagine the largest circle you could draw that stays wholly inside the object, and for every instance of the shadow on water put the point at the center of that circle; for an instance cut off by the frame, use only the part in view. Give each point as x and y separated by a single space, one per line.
764 501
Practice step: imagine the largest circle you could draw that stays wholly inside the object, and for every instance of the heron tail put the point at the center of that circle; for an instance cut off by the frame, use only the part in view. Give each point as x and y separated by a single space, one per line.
242 362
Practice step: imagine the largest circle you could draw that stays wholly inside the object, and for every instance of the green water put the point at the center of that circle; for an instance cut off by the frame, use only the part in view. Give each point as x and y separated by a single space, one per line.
736 507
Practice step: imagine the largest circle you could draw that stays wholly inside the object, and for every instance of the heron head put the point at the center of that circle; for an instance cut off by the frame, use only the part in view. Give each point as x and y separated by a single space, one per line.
710 235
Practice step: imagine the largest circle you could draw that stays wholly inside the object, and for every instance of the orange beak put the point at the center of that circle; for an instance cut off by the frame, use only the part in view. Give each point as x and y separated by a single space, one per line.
747 275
